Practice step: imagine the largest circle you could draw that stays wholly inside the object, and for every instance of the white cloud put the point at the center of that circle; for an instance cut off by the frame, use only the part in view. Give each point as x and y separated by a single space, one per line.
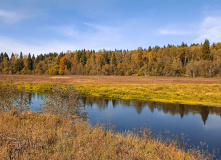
93 36
173 32
209 29
10 17
101 34
11 45
176 29
96 37
102 28
65 30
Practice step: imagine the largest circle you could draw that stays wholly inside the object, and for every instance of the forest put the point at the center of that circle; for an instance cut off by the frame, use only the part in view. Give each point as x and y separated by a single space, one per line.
196 60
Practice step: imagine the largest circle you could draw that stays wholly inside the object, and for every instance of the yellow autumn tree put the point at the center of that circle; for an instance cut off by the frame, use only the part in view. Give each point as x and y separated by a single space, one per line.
62 65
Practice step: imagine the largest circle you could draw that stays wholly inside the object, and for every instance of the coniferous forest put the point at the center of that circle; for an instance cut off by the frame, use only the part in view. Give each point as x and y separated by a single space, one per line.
196 60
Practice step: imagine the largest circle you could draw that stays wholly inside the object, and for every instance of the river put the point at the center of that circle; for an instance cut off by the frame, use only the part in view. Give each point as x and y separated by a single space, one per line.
195 124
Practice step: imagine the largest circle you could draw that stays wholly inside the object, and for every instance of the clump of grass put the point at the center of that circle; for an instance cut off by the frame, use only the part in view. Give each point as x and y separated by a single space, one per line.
63 101
39 88
31 135
13 98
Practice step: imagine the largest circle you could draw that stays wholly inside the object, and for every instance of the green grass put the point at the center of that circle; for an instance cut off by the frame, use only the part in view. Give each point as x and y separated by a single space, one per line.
207 94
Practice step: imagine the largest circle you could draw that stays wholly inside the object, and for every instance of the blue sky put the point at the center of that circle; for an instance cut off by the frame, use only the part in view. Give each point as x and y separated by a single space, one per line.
43 26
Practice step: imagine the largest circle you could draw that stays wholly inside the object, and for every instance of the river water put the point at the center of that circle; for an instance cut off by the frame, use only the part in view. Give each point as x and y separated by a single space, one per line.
195 124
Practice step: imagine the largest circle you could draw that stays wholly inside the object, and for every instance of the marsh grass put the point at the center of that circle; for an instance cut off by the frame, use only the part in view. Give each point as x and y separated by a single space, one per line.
13 98
60 133
63 101
206 94
29 135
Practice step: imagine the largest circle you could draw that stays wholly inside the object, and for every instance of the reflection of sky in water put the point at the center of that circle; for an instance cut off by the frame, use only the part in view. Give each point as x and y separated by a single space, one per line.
196 123
213 122
36 101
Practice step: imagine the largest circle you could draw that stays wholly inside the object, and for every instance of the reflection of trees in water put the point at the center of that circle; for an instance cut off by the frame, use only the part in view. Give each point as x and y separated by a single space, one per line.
171 108
39 96
183 109
36 96
139 106
151 106
126 103
84 100
101 103
88 100
106 102
204 113
114 103
29 98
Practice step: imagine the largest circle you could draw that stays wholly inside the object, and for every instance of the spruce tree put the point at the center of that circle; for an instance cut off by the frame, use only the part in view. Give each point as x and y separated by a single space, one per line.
33 57
113 60
12 56
1 57
206 50
6 56
21 55
29 62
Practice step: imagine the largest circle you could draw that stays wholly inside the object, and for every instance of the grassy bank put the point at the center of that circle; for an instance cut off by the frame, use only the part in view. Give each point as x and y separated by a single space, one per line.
206 94
30 135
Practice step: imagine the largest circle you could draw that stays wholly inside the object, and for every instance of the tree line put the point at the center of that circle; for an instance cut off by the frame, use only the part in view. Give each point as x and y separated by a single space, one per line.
182 60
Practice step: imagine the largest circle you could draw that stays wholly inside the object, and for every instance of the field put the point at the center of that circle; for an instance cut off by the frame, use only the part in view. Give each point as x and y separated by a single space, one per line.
79 79
204 91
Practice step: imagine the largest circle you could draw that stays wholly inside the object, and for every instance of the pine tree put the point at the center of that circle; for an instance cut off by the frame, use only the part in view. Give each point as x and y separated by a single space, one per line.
1 57
21 55
206 50
113 59
12 56
29 62
33 57
6 56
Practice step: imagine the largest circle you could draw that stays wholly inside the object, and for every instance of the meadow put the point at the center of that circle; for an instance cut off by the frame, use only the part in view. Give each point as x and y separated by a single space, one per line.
205 91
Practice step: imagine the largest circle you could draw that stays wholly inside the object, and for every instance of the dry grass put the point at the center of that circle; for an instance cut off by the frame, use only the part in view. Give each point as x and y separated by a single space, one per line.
79 79
30 135
59 77
205 91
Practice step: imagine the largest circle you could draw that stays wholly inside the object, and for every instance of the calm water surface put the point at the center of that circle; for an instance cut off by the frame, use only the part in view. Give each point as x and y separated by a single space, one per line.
197 125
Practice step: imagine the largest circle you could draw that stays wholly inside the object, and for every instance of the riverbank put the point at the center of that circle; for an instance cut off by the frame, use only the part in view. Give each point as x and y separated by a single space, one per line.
44 136
156 89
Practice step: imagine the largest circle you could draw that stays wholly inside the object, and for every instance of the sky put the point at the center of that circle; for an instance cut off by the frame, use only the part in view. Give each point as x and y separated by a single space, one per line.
43 26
